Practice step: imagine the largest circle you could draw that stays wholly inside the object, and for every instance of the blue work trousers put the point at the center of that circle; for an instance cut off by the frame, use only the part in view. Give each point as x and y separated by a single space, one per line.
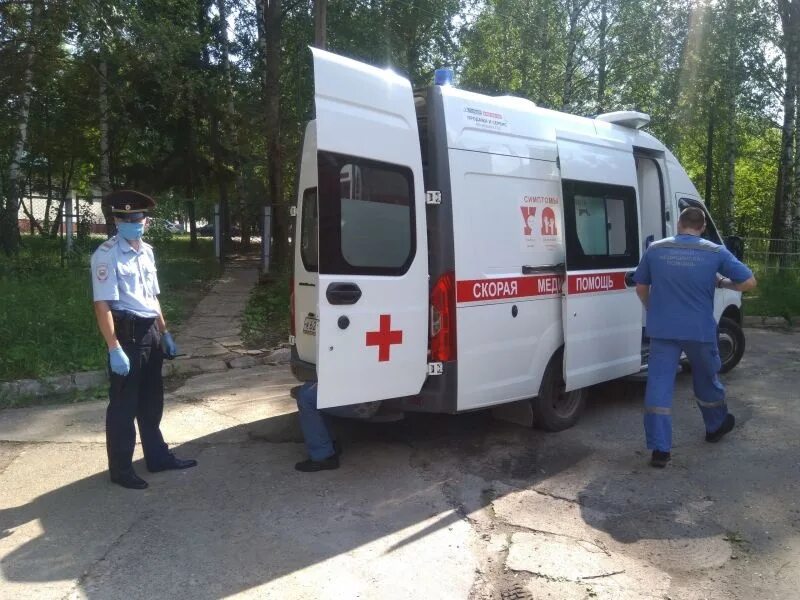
315 431
662 367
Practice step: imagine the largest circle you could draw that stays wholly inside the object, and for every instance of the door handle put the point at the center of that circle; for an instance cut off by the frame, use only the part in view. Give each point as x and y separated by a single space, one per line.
343 293
629 278
529 270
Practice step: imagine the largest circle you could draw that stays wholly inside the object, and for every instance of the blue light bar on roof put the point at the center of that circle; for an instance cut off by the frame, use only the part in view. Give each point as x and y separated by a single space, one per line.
443 76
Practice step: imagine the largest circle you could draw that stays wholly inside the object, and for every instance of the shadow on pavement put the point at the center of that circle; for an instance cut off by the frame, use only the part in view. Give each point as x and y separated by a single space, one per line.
244 517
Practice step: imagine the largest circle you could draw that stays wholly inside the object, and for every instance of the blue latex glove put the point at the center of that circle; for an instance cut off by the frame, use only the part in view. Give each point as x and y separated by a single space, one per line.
169 346
119 361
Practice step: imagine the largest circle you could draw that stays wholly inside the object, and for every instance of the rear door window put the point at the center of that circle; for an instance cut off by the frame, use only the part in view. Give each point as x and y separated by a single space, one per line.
366 216
309 231
601 223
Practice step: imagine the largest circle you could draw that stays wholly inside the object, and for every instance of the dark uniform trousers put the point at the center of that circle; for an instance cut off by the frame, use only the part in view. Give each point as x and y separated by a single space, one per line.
138 395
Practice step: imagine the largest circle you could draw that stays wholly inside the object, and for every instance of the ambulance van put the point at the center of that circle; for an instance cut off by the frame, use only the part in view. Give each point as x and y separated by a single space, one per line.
456 251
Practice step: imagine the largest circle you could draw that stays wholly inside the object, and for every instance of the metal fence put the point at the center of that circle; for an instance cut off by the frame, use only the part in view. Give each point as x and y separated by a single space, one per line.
765 254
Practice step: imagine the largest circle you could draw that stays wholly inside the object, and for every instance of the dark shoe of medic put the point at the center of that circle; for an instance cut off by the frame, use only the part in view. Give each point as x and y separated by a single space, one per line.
659 459
128 479
726 427
312 466
172 463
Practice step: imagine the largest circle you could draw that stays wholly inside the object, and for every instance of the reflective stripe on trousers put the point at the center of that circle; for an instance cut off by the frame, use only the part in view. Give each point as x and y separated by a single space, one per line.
662 367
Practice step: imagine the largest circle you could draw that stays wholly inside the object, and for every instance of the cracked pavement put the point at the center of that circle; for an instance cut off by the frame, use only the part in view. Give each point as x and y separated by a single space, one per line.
436 506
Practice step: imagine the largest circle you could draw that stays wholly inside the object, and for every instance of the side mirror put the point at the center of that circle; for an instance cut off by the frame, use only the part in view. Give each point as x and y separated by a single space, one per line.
736 245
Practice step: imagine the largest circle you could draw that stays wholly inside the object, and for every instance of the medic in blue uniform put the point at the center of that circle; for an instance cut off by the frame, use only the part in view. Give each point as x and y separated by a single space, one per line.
675 281
125 286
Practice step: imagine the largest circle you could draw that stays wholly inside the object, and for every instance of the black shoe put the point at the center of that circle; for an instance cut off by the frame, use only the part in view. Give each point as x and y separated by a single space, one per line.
128 479
659 459
726 427
312 466
172 463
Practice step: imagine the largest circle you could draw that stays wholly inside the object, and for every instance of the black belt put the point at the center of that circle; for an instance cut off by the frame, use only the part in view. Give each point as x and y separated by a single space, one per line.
129 327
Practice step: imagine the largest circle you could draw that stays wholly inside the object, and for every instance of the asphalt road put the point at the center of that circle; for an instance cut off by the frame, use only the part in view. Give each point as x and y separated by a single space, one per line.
450 507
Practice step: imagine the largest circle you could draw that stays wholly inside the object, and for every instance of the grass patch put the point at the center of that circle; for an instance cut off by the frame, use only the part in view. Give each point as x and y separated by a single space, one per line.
777 295
266 317
47 325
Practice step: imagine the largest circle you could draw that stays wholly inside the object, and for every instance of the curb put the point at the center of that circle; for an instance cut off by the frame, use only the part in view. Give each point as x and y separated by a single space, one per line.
86 380
197 366
769 322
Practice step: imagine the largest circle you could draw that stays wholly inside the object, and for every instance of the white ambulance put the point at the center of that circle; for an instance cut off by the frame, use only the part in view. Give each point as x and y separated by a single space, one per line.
456 251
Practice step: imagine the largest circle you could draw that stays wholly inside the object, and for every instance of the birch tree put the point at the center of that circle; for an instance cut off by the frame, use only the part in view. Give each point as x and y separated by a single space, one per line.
9 227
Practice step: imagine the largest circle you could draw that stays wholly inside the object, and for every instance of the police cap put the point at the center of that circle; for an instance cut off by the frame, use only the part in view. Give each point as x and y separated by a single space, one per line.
127 204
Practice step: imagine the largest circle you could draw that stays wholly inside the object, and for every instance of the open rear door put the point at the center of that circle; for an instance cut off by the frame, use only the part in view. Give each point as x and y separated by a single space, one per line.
602 315
373 262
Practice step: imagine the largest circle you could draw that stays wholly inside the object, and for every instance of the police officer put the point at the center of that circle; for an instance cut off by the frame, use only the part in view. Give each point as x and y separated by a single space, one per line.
675 281
129 316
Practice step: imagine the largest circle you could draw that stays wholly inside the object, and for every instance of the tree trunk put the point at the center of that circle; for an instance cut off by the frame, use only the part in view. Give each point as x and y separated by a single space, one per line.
105 162
731 89
280 215
229 129
781 215
709 161
262 41
602 59
320 23
792 219
49 194
9 223
574 9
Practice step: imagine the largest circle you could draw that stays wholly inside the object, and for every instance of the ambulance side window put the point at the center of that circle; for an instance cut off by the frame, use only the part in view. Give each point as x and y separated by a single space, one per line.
366 216
601 226
309 230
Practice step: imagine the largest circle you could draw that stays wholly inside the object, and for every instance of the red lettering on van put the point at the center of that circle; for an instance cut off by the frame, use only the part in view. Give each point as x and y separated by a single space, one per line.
596 282
508 288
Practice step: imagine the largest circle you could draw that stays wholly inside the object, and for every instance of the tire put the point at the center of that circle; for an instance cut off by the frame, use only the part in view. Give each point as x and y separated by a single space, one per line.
554 409
730 340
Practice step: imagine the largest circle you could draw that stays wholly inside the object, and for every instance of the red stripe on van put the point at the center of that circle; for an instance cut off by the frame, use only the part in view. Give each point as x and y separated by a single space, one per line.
592 283
506 288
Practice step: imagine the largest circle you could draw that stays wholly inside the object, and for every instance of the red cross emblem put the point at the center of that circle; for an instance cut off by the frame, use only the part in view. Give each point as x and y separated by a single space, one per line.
384 338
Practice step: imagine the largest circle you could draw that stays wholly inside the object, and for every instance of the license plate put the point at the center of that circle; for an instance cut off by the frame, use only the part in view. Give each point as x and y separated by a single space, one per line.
310 325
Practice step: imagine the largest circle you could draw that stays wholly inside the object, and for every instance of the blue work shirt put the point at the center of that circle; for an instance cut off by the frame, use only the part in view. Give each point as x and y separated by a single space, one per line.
126 278
682 274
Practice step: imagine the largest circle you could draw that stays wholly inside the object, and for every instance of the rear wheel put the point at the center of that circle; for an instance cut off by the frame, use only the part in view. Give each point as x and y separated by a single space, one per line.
554 409
730 340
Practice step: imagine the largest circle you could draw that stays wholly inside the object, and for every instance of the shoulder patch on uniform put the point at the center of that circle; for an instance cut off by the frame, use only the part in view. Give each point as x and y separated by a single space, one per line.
101 271
108 244
661 242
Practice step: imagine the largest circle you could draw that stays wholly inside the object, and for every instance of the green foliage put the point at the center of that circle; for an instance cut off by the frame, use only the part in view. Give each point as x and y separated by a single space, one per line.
266 318
777 295
47 323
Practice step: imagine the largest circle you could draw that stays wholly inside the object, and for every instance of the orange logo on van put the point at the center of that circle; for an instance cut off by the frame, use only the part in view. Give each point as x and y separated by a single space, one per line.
528 212
549 222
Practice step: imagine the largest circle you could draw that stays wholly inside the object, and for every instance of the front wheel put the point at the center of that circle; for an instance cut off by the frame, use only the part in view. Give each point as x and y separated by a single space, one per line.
730 340
554 409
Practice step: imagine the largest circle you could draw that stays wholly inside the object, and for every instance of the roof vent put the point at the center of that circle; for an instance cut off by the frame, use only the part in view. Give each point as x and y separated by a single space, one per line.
626 118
